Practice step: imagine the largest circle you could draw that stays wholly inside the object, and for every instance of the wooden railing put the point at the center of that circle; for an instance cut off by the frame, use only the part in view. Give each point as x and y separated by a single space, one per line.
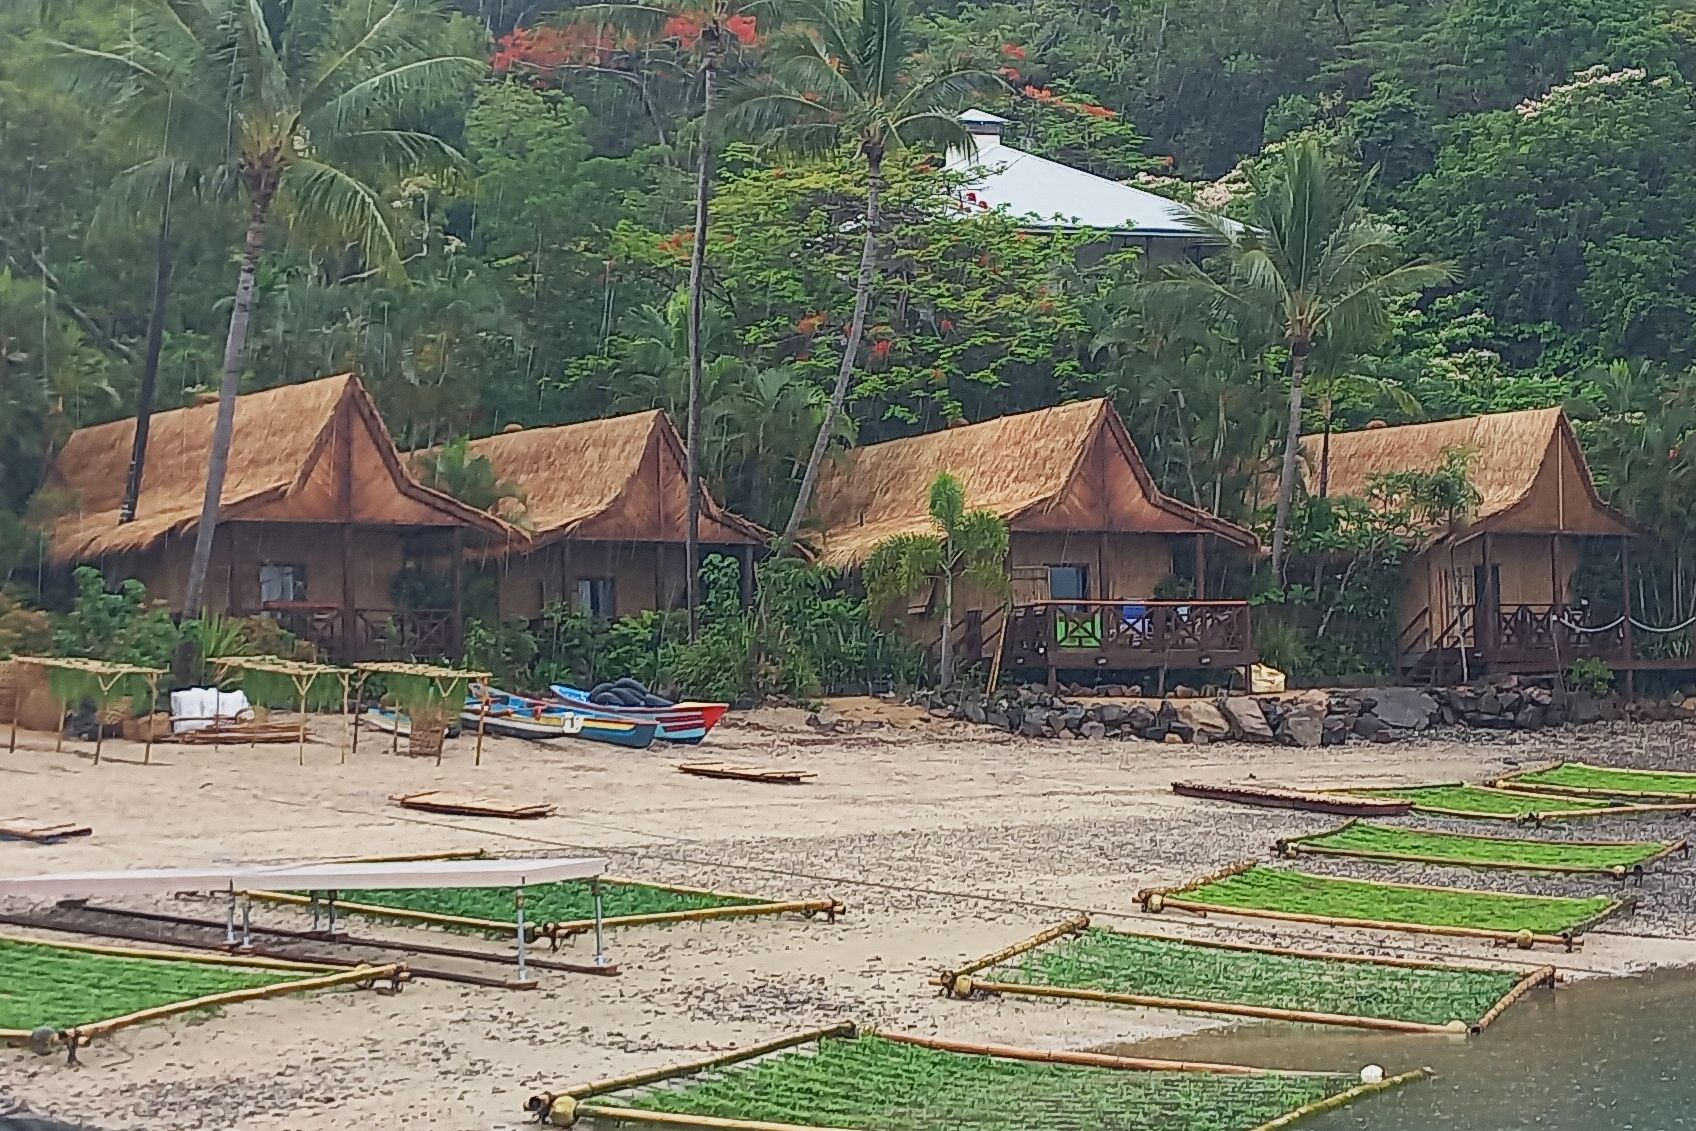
1552 634
1129 634
375 633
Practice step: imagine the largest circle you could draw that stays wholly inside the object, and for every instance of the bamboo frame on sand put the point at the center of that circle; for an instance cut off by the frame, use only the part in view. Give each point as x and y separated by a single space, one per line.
78 1036
1601 809
1512 784
1295 846
829 907
952 983
1342 1099
1570 939
564 1108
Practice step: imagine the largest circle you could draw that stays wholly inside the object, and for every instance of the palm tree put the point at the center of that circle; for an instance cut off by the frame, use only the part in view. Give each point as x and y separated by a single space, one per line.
968 544
848 72
473 480
291 104
1315 263
712 31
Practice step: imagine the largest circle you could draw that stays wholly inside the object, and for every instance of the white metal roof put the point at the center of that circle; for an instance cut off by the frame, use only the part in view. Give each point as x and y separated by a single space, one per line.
328 876
1048 195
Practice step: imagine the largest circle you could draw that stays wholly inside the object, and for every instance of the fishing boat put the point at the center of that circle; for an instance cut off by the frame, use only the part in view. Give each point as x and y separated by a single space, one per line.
390 721
518 716
686 722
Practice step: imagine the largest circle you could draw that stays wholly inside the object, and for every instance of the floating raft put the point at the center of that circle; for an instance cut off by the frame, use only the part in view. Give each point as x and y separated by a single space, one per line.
1581 779
1368 841
837 1079
1273 893
1275 797
772 775
465 805
1076 961
558 910
61 994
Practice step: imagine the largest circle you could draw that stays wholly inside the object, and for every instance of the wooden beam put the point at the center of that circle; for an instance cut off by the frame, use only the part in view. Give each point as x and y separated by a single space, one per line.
344 515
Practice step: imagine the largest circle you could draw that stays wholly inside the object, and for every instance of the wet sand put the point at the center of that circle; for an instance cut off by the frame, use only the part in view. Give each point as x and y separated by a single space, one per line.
944 842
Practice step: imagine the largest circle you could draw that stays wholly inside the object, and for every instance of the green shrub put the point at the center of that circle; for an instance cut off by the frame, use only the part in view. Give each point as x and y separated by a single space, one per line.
1590 675
122 626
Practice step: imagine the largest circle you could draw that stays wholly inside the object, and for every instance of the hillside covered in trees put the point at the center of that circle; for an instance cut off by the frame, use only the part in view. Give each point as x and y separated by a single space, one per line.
493 223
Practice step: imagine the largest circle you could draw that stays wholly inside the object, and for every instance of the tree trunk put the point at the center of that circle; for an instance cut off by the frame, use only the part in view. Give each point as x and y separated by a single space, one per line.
147 393
1287 477
218 462
697 299
850 349
1325 451
946 668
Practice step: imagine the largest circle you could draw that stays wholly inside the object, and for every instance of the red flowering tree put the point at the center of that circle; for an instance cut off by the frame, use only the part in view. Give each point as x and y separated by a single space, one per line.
707 34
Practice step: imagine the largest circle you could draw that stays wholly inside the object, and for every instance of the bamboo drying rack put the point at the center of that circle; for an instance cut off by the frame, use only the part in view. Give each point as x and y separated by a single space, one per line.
441 677
1600 808
555 932
106 676
1294 846
320 977
959 983
1512 784
303 675
1154 900
565 1107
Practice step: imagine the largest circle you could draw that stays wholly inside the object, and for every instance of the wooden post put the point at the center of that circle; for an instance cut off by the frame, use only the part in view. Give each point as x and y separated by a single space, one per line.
482 716
746 575
345 720
1627 611
358 689
1488 603
456 627
17 697
302 684
344 509
1201 567
147 732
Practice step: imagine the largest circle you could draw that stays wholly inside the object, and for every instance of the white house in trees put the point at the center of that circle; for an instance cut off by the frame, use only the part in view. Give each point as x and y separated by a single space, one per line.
1047 196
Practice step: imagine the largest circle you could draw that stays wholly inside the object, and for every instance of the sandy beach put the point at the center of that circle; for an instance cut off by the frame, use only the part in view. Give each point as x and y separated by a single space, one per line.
945 842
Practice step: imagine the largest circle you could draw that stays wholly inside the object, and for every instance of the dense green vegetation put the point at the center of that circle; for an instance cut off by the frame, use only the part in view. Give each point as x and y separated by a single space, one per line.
48 985
1274 889
1362 838
1481 802
1151 967
1581 778
496 223
875 1084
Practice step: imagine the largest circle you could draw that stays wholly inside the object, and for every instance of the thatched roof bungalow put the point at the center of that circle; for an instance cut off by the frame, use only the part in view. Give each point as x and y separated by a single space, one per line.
1087 522
1499 583
606 502
319 516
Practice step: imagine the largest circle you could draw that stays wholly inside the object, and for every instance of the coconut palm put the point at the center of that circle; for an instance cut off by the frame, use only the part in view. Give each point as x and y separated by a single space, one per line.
711 30
1312 261
300 106
848 72
968 545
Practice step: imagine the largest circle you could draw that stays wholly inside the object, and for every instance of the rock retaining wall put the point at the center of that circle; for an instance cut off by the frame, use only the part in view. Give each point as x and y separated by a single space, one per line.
1302 718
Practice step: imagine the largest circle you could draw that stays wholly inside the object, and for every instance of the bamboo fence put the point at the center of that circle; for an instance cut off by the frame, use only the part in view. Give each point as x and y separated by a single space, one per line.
1295 846
106 677
961 984
322 978
1155 900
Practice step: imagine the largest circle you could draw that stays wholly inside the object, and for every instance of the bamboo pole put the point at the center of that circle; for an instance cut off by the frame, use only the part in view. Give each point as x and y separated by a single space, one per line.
302 686
1227 872
1060 930
1323 955
1572 943
1545 976
173 955
677 1119
347 720
711 893
82 1034
1229 1009
1341 1099
482 719
1667 848
545 1101
1086 1059
431 918
1536 790
17 697
147 731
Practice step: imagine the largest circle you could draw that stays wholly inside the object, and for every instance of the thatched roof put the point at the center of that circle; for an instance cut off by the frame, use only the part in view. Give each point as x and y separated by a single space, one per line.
313 452
622 479
1071 468
1527 466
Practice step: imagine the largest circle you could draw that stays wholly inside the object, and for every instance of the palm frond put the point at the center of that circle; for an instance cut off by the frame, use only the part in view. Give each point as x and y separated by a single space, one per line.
330 204
396 89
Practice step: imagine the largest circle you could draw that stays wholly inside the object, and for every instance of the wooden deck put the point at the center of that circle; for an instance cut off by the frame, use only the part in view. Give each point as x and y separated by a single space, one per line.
1128 634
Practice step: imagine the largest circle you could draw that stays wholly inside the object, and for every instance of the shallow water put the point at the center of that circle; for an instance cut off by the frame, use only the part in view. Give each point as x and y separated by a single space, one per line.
1601 1055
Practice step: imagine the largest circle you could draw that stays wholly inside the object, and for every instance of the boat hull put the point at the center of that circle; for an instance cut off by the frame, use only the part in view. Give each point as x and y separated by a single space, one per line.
682 722
515 716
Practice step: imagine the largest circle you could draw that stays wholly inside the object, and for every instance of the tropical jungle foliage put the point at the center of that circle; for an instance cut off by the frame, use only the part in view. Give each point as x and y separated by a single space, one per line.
499 222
